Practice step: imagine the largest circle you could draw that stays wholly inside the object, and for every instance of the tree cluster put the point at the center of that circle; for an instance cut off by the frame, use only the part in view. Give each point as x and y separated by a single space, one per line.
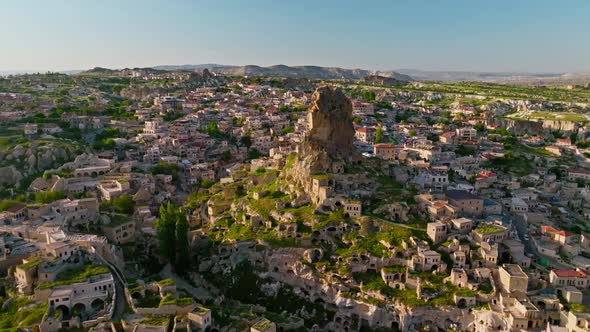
173 229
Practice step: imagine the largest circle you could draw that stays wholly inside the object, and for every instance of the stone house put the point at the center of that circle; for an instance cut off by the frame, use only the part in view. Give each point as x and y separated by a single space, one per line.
120 232
112 188
428 260
465 202
394 276
25 275
512 278
462 224
366 134
263 325
200 318
458 277
352 208
441 210
437 231
385 151
577 278
486 232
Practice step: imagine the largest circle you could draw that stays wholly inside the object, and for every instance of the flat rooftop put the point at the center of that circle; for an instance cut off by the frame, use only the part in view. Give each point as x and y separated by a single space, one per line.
514 270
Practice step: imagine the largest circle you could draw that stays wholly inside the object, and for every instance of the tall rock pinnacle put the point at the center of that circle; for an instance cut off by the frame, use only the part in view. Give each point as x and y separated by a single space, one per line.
330 123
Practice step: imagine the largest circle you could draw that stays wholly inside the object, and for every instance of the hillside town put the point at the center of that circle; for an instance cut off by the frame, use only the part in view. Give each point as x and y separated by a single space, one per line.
153 200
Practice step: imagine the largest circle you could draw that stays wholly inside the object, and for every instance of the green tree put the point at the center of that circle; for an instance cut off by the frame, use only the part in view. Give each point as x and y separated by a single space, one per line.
369 95
379 135
246 140
46 197
288 129
463 151
432 137
166 168
254 154
226 155
124 204
166 226
182 247
480 127
213 129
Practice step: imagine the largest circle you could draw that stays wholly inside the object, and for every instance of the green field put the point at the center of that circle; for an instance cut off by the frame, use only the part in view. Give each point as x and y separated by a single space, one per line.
490 90
550 116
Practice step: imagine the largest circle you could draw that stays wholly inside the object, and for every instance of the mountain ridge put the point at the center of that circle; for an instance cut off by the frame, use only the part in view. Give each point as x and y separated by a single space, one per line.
280 70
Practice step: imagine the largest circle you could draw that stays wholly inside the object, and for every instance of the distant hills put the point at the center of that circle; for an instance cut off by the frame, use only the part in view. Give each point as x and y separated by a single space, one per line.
311 72
385 77
498 77
399 75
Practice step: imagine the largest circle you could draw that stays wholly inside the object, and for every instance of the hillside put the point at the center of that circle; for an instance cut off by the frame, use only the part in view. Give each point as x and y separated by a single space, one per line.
312 72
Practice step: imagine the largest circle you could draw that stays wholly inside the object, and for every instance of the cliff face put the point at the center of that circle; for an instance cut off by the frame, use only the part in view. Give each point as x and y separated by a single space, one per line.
330 122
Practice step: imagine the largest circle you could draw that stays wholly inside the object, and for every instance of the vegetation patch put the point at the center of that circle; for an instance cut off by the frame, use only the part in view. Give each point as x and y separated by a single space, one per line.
76 274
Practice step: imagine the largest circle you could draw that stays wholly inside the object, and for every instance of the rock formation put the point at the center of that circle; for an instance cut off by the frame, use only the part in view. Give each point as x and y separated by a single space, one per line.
24 160
9 175
382 80
328 144
330 123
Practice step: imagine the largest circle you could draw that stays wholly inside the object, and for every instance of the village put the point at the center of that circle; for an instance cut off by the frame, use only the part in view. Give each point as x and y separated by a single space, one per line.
298 205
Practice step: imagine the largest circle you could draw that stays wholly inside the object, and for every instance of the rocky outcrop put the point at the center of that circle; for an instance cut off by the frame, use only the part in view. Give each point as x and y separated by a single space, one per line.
382 80
9 175
328 144
25 160
330 123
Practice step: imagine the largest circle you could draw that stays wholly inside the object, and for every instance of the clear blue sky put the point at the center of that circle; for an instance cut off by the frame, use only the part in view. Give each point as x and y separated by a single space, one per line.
478 35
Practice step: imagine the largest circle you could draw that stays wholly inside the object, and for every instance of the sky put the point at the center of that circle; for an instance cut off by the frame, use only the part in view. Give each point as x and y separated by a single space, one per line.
464 35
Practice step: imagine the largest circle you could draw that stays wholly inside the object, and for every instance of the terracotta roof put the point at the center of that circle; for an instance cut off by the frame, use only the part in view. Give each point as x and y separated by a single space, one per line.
365 130
485 175
571 273
439 204
549 229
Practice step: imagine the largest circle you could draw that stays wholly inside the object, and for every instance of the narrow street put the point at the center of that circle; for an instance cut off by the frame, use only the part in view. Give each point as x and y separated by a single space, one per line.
120 301
529 248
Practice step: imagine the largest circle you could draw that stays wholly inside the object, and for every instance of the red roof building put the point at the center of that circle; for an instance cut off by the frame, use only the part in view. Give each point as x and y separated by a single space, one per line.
577 278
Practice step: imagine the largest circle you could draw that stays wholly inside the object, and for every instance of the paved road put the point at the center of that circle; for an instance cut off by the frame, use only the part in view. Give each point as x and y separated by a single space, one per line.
529 247
120 300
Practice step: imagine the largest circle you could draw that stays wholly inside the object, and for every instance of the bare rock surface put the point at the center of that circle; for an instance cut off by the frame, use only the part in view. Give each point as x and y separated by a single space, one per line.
330 122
